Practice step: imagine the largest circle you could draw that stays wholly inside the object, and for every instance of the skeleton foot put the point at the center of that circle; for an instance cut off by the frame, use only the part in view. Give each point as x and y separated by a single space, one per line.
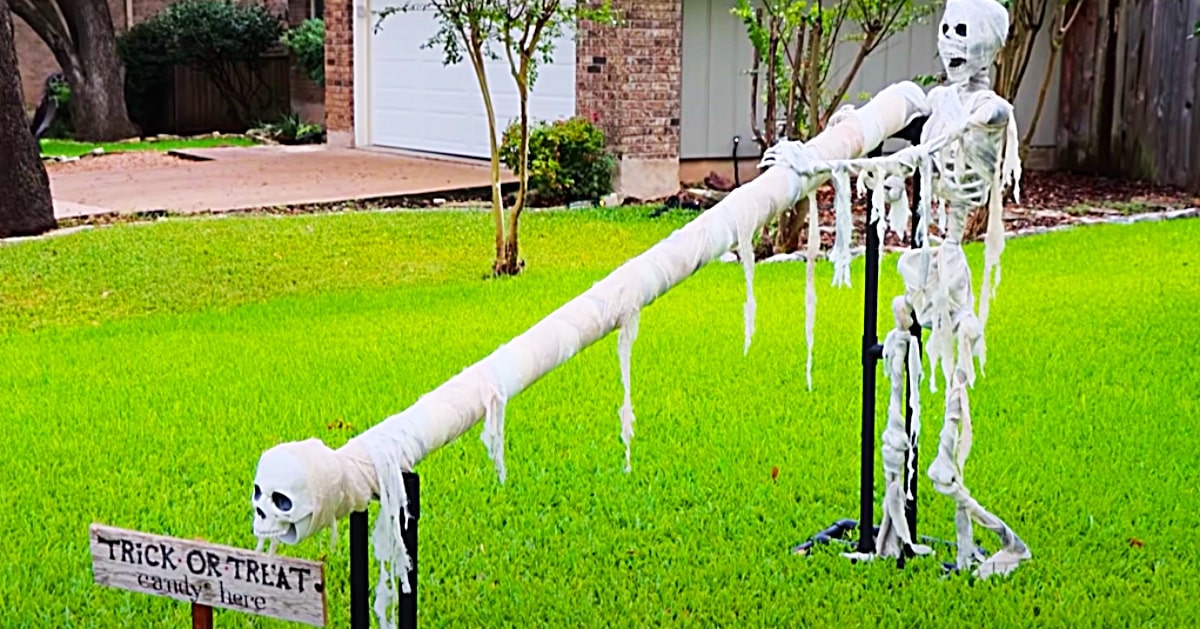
1003 562
946 473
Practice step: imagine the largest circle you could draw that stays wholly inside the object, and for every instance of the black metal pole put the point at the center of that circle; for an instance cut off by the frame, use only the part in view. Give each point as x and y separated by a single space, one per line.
871 351
910 504
360 575
360 561
408 601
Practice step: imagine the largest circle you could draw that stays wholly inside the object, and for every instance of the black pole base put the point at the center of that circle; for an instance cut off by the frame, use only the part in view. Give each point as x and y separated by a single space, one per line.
839 533
836 532
360 576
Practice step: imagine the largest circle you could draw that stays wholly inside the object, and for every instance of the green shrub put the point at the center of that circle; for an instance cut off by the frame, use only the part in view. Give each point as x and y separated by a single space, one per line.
307 42
145 50
63 127
291 129
567 160
221 39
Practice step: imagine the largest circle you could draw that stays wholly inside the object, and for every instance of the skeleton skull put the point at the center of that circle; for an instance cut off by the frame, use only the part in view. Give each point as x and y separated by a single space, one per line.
970 35
283 503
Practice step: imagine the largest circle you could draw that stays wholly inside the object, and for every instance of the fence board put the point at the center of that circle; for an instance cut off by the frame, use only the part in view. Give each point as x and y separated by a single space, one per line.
1147 107
195 104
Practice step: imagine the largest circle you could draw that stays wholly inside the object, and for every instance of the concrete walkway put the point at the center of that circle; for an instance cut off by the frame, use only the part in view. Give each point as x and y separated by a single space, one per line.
240 178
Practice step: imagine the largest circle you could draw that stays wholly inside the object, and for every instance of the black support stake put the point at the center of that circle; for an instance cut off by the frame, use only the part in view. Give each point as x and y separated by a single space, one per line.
912 134
408 602
360 561
910 504
872 353
360 571
870 356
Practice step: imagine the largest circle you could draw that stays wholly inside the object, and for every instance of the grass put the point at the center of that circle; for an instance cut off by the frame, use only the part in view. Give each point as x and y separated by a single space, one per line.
146 367
71 148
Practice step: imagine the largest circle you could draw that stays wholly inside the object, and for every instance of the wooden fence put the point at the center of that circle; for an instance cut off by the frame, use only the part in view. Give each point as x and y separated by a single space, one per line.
1130 86
194 104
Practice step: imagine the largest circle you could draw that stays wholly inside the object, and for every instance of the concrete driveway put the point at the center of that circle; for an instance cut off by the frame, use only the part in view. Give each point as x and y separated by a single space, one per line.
240 178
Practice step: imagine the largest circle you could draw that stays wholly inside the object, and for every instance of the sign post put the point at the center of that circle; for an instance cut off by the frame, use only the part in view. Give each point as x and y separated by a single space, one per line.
209 575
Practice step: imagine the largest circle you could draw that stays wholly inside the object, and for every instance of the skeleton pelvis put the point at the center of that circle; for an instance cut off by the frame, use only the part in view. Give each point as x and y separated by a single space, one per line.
946 277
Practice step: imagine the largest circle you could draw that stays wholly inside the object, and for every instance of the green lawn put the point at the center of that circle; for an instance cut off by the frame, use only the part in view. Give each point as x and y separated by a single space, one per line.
71 148
145 368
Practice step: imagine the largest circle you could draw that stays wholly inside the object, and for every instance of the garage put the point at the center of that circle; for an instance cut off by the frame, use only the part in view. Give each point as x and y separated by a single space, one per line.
415 103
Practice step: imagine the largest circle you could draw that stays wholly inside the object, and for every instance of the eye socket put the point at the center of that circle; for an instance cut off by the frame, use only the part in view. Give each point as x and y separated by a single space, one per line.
282 502
945 29
257 492
961 29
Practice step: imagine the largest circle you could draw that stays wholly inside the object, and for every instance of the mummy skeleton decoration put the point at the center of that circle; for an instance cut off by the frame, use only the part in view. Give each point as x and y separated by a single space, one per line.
303 487
968 153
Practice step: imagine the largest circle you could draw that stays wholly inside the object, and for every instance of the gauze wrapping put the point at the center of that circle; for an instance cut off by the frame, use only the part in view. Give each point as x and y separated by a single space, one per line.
745 246
625 339
843 227
502 380
972 30
1008 172
810 290
339 481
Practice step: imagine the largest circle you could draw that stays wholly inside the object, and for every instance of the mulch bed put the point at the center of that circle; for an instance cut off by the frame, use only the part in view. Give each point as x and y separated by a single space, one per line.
1049 199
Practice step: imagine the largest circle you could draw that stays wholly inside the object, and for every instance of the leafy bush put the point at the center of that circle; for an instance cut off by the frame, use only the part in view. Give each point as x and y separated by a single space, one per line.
307 42
567 160
221 39
145 51
291 129
63 126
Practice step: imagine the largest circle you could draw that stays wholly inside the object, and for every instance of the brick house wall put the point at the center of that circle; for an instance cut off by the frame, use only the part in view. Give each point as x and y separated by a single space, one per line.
339 72
628 80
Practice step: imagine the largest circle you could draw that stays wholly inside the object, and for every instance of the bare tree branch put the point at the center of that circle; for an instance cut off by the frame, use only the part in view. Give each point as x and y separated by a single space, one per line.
48 24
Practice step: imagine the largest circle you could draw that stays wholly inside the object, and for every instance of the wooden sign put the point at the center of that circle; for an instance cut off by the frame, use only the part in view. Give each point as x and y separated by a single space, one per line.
208 574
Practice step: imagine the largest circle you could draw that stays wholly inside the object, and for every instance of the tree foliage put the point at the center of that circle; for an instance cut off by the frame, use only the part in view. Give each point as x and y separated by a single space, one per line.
1025 20
307 42
794 43
523 33
223 40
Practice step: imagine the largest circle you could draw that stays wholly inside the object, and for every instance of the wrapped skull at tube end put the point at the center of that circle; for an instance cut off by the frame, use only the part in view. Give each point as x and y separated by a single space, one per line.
302 487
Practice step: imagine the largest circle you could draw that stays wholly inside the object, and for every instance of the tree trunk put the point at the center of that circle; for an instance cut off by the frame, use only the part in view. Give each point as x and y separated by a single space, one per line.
791 224
976 223
85 45
475 53
25 206
99 109
510 263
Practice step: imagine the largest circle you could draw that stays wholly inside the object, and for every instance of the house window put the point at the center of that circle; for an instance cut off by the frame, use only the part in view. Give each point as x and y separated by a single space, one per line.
316 9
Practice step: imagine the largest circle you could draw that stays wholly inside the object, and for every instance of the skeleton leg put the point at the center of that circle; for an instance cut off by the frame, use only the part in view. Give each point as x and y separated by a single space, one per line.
897 443
946 473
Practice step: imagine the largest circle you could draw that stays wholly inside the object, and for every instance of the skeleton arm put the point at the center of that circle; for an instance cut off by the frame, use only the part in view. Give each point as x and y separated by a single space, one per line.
990 111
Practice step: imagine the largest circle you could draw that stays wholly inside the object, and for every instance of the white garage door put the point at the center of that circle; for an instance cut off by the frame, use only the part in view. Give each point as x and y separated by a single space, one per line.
417 103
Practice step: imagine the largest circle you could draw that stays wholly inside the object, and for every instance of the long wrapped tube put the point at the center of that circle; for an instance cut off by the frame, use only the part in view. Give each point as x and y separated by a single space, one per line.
482 390
453 408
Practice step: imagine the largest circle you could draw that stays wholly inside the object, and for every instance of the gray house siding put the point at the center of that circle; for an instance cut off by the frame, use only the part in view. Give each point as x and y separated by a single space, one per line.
716 86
